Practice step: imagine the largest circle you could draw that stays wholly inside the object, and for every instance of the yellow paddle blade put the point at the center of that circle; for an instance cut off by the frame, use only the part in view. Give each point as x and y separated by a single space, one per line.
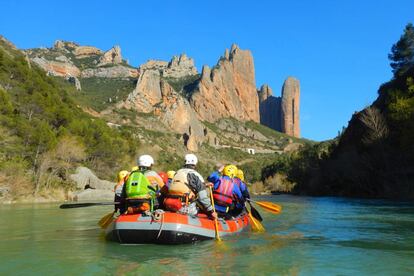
218 239
270 206
106 220
256 225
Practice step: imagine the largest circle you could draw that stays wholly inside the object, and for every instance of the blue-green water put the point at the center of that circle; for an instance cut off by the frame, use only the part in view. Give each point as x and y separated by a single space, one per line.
313 236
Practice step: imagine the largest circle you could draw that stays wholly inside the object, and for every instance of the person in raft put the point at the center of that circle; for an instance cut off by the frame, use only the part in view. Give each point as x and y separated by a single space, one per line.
226 193
145 163
140 188
122 176
239 180
170 175
186 189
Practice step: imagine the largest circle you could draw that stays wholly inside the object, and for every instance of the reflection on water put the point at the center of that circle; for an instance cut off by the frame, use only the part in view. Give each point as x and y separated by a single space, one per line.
312 236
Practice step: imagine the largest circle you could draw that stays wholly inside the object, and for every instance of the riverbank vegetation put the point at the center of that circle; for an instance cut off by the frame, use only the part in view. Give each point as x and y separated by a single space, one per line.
44 134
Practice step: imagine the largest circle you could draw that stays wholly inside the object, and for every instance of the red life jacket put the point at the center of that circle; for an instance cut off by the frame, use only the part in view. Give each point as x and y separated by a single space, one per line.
223 195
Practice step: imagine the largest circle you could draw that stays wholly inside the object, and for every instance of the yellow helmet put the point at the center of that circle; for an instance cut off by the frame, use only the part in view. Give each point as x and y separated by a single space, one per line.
122 174
171 174
230 171
134 168
240 175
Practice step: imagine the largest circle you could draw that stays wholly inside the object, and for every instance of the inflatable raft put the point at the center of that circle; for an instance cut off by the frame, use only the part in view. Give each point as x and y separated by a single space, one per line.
170 228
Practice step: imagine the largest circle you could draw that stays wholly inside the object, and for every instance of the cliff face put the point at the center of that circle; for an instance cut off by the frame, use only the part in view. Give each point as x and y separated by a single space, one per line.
174 90
270 108
153 93
152 77
228 90
281 113
69 59
290 107
57 68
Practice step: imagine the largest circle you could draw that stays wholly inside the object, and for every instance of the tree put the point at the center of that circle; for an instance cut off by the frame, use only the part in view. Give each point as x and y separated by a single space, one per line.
375 124
6 106
402 53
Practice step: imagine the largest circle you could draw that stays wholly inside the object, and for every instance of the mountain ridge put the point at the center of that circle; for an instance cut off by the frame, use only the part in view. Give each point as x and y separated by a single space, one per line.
226 90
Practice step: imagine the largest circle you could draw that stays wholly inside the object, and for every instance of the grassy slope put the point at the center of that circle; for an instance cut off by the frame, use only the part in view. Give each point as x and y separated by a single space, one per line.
100 93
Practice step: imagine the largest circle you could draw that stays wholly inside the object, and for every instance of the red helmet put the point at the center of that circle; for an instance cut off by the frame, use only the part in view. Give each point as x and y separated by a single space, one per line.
164 177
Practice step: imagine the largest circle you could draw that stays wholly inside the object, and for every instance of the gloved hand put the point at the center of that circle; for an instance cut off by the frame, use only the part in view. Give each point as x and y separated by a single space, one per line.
213 215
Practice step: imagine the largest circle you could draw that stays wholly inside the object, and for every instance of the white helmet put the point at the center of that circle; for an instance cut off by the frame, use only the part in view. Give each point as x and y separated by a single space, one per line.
145 161
191 159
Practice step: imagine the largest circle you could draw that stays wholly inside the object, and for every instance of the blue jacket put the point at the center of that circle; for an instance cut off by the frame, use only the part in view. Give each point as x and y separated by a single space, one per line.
216 179
243 188
245 192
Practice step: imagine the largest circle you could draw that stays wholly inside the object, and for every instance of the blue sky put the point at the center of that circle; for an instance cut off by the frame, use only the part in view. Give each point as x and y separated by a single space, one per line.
337 49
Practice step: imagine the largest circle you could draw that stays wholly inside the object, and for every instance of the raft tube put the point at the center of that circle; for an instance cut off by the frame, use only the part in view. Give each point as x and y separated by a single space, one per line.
170 228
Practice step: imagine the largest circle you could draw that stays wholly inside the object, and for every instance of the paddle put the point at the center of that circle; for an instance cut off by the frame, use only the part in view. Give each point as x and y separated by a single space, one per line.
268 206
85 204
106 220
256 225
255 213
215 220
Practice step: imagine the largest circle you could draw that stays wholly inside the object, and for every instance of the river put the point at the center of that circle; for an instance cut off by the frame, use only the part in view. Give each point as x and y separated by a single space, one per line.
312 236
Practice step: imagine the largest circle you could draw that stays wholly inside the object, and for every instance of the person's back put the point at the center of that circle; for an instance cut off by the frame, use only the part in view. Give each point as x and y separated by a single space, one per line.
241 203
141 186
186 188
170 175
226 192
139 193
122 176
239 179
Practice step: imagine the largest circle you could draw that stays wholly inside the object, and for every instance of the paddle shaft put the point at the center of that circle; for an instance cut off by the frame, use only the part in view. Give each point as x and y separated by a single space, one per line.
85 204
214 210
255 213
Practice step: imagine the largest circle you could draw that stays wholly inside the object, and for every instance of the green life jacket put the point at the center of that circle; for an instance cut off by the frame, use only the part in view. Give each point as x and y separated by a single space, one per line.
138 186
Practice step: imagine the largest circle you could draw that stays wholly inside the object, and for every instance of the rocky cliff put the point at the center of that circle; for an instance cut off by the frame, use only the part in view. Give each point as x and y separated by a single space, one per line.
112 56
69 59
154 93
152 77
174 90
281 113
290 107
228 89
270 108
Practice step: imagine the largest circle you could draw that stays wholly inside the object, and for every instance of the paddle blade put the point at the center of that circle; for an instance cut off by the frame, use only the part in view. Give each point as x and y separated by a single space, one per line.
218 239
106 220
256 225
270 206
255 213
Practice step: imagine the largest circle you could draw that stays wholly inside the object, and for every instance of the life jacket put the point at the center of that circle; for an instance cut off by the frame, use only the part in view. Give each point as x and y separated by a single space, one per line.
179 193
137 186
154 179
179 184
223 195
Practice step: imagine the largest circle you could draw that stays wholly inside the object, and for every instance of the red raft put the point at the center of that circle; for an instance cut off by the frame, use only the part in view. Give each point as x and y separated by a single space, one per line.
170 228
